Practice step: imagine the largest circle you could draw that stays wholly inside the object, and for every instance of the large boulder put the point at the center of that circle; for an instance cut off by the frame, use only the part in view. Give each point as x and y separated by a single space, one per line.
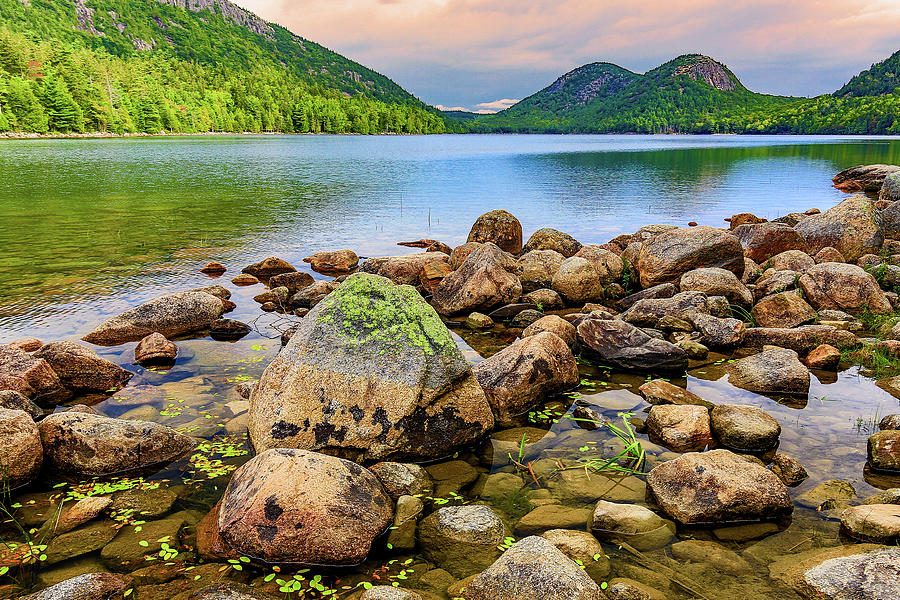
717 332
553 239
679 427
608 264
617 343
553 324
406 269
792 260
537 268
81 443
851 227
370 372
21 453
80 369
671 254
533 569
32 377
717 282
890 189
461 539
578 281
764 240
772 371
843 287
296 506
717 487
486 279
170 315
647 312
499 227
863 178
744 428
521 375
784 309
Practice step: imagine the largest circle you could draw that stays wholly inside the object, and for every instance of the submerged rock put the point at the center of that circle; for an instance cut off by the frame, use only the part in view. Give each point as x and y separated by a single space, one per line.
371 371
80 369
669 255
80 443
521 375
622 345
635 525
170 315
32 377
717 487
788 470
155 348
296 506
93 586
498 227
21 453
533 569
486 279
855 572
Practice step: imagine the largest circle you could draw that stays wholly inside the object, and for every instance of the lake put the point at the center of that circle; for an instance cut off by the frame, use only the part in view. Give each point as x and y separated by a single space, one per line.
93 227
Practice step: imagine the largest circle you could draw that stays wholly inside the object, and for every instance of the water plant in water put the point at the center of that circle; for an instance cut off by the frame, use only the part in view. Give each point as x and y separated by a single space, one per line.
630 460
27 551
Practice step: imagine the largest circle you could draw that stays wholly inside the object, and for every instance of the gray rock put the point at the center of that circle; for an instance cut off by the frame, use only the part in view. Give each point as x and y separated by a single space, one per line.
622 345
533 569
744 428
461 539
663 290
93 586
772 371
170 315
81 369
865 576
716 332
394 382
648 312
13 400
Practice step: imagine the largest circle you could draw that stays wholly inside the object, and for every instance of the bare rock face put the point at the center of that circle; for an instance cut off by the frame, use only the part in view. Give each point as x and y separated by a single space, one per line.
269 267
669 255
620 344
295 506
679 427
851 227
872 522
533 569
772 371
843 287
784 309
486 279
717 282
81 443
336 261
765 240
170 315
21 452
80 369
537 268
578 281
524 373
499 227
370 372
884 450
93 586
863 178
32 377
717 487
552 239
744 428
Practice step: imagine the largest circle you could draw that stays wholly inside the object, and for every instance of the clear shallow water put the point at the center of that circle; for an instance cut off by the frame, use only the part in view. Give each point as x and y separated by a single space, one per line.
91 227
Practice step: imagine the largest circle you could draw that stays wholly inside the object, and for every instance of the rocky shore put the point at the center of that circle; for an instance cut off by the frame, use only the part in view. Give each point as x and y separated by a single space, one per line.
371 426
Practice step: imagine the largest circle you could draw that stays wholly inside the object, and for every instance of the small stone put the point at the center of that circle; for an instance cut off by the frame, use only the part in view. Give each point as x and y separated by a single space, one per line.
479 321
245 279
228 329
214 268
526 318
155 349
681 428
828 495
269 267
636 525
823 357
338 261
788 470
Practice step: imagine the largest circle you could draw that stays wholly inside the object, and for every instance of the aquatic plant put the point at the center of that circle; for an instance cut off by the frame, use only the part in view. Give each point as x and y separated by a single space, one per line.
630 460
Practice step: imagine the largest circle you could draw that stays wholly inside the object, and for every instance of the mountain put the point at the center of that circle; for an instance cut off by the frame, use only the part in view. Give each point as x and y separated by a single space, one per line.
690 94
882 78
182 53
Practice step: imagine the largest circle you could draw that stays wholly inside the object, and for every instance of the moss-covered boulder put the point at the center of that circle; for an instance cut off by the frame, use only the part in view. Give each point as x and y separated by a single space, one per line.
370 372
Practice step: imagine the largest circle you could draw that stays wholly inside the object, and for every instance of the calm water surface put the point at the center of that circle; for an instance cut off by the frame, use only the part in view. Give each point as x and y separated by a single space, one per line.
92 227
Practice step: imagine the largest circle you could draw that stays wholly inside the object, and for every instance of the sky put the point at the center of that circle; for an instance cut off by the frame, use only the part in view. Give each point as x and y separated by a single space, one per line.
484 55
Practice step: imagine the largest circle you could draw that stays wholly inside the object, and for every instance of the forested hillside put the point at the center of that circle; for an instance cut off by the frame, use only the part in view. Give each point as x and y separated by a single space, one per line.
125 66
696 94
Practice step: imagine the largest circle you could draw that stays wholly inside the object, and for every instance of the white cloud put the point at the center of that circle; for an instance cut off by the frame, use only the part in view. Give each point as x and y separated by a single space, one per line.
496 105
